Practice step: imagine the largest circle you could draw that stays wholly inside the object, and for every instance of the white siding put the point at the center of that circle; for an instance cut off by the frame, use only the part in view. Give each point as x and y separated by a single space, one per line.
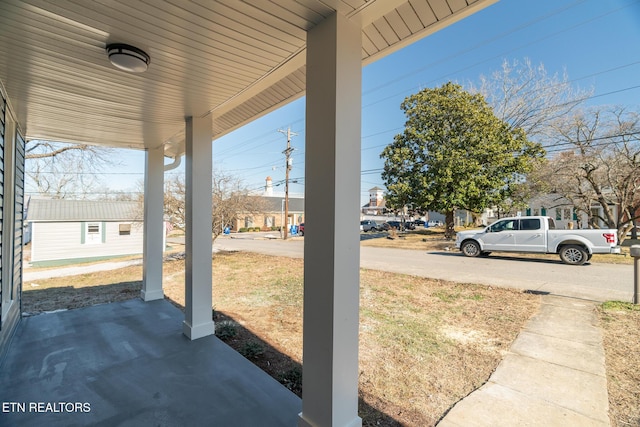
63 240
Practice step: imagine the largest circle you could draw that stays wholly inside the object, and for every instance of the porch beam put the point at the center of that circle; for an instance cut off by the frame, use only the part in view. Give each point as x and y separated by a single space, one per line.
198 321
332 241
153 225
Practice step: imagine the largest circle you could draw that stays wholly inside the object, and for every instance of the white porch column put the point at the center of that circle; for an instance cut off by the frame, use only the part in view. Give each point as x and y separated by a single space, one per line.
332 240
198 320
153 244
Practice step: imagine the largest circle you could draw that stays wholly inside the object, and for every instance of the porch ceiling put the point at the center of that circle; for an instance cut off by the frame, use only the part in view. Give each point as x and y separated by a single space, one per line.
235 59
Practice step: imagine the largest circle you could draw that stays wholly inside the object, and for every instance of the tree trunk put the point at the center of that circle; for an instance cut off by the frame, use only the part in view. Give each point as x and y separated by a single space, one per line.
449 232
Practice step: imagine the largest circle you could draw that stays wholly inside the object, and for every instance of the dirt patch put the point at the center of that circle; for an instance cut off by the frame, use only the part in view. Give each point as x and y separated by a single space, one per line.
621 329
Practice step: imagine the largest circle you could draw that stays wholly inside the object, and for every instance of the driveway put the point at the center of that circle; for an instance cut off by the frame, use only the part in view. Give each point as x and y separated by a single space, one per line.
597 282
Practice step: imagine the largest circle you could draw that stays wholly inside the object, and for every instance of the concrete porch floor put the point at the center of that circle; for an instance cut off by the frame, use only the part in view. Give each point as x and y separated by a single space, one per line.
132 365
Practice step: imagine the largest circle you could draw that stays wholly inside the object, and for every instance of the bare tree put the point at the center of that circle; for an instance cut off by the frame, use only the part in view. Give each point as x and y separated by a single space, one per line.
600 165
230 199
65 170
527 97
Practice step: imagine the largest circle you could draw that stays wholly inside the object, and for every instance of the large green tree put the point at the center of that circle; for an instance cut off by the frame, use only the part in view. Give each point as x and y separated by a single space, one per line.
455 154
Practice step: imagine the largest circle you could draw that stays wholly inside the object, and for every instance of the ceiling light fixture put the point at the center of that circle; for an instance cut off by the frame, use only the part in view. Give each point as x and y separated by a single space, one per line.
128 58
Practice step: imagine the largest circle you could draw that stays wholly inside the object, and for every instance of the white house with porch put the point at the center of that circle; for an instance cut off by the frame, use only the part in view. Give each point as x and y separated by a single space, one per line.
170 78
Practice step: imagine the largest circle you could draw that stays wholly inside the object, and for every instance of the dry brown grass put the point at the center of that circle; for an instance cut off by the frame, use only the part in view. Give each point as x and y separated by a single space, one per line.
424 344
621 327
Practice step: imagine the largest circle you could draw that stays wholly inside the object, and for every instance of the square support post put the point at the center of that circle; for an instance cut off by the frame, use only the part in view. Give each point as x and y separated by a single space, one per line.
154 228
332 237
198 237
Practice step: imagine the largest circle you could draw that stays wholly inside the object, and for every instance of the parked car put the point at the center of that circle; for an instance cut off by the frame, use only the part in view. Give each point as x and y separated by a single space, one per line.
420 223
301 229
397 225
537 234
369 225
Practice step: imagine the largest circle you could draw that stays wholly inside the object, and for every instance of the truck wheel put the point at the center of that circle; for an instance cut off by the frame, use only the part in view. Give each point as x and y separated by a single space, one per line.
470 248
573 254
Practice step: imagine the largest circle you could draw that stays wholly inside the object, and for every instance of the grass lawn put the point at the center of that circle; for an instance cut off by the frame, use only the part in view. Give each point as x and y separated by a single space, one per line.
424 344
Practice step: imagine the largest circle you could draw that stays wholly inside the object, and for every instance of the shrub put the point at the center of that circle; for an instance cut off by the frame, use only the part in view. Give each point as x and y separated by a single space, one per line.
292 379
226 330
252 350
242 230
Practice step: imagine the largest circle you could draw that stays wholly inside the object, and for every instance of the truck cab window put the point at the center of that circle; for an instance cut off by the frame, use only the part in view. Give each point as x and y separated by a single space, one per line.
530 224
506 225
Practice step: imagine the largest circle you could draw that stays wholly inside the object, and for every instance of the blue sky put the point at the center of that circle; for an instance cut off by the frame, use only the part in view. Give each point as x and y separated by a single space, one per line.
596 42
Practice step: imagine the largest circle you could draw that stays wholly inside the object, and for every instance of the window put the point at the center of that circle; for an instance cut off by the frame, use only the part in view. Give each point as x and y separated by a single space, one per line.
92 233
248 221
530 224
124 229
567 214
269 221
558 214
506 225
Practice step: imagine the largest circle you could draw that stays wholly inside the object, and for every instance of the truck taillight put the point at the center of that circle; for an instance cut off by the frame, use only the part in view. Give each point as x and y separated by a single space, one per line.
609 237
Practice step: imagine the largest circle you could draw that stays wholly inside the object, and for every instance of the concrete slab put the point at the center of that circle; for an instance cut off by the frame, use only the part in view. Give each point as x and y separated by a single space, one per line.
495 406
569 323
578 391
128 364
561 352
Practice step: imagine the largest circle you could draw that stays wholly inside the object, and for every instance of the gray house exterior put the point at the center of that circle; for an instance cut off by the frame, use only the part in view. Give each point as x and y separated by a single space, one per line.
75 230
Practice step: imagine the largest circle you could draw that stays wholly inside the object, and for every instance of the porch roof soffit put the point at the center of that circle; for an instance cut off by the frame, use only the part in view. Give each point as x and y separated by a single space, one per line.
235 60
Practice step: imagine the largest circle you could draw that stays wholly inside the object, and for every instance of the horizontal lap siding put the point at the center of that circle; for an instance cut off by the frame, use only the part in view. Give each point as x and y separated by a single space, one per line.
18 217
62 240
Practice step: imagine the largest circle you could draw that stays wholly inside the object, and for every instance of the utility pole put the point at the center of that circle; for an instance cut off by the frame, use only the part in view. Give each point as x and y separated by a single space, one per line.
288 164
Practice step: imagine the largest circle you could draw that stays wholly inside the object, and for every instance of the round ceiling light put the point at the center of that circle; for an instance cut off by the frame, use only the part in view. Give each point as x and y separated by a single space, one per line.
128 58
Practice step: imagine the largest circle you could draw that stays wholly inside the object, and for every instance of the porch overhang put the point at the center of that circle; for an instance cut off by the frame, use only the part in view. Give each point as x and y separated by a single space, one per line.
234 60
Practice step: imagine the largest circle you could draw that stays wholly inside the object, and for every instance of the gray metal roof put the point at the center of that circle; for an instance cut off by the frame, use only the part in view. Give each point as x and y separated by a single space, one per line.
274 204
61 210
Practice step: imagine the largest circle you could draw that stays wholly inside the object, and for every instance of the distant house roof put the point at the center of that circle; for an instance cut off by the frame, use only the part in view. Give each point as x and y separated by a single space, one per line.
375 189
274 204
59 210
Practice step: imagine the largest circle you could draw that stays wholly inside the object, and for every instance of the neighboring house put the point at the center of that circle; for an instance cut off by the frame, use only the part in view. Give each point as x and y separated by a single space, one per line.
564 213
376 205
273 215
81 229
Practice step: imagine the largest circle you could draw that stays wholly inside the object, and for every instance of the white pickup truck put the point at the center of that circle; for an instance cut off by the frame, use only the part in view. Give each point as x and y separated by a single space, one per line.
537 234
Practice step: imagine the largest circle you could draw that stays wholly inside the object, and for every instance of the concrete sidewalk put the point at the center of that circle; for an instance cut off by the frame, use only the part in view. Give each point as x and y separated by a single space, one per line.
553 375
73 270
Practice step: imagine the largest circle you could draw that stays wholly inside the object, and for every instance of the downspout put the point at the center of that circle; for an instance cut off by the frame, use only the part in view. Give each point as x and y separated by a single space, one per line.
171 166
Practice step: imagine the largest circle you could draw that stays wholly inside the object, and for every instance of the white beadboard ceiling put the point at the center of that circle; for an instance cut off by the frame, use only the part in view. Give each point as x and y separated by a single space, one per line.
235 59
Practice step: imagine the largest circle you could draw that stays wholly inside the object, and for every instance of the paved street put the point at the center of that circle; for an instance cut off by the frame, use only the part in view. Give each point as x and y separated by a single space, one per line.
597 282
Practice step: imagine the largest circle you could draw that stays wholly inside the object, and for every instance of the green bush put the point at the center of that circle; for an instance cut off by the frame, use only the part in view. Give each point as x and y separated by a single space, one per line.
243 230
252 350
292 379
226 330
